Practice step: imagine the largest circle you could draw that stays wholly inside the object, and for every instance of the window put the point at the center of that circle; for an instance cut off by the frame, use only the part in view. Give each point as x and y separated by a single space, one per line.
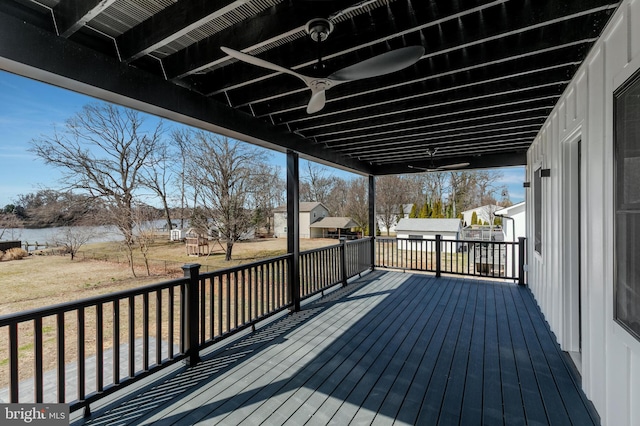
627 205
537 210
415 237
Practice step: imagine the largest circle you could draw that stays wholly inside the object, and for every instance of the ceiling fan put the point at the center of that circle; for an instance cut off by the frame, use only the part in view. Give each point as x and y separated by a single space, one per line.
431 153
319 29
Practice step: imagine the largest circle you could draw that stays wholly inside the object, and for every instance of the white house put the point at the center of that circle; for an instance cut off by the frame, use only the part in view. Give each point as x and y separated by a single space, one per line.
582 209
513 226
310 212
427 229
514 223
485 213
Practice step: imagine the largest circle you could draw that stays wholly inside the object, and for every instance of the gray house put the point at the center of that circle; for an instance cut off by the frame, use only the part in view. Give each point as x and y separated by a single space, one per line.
310 212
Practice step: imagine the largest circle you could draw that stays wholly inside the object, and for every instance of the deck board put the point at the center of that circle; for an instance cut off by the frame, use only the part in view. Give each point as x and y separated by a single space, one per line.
390 348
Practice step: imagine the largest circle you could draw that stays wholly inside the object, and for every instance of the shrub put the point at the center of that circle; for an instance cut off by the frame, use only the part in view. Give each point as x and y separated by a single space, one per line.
14 254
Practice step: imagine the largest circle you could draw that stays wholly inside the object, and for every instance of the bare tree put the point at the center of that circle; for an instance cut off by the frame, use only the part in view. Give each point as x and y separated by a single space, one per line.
157 175
72 238
180 138
316 184
357 206
337 200
9 223
144 218
102 150
390 196
269 193
227 173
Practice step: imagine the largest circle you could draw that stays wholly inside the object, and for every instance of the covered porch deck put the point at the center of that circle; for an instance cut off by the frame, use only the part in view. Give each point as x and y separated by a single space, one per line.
391 347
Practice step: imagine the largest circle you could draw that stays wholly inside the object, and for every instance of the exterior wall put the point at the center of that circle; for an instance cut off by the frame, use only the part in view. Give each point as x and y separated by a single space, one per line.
426 246
306 219
484 213
573 277
280 225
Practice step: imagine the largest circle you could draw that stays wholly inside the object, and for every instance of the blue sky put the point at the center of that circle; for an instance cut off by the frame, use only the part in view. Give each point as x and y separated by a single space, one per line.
29 109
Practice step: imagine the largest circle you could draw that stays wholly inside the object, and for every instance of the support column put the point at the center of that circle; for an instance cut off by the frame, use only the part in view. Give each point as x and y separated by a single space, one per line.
293 227
373 220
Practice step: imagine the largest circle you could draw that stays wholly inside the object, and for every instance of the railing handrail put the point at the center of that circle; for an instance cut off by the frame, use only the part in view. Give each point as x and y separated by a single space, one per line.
245 266
46 311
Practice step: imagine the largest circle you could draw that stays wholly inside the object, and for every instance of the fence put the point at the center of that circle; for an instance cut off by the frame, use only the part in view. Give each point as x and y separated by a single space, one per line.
79 352
463 257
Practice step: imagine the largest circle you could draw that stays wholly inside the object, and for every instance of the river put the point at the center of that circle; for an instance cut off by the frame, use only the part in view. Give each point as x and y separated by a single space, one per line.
42 236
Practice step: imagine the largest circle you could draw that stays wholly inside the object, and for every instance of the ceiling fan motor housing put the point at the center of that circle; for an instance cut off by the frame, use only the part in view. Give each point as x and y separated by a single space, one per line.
319 29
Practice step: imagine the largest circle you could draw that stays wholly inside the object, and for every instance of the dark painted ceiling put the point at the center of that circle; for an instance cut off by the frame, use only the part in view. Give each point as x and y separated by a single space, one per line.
491 73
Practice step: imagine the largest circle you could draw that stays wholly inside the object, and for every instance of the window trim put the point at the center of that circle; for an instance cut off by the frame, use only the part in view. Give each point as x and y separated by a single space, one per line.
631 82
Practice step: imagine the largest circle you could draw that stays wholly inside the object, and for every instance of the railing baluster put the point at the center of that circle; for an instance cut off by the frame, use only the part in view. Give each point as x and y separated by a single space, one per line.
171 324
228 316
13 361
145 332
212 304
219 291
99 348
202 285
158 327
250 292
243 304
132 337
60 354
38 353
81 351
116 342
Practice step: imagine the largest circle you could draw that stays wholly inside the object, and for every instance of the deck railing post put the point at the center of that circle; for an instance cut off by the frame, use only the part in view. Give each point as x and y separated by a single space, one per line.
343 260
189 321
438 255
521 260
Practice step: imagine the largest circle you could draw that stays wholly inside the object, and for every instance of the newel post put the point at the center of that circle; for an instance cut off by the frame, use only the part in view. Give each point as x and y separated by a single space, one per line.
190 318
521 260
438 255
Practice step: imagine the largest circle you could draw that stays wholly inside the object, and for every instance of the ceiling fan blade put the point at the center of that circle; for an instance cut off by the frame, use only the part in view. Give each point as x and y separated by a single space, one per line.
454 166
386 63
317 101
262 63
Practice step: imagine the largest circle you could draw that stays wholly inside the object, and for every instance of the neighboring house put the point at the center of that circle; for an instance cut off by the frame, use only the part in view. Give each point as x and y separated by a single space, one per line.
310 212
392 228
485 213
517 225
427 229
333 227
513 226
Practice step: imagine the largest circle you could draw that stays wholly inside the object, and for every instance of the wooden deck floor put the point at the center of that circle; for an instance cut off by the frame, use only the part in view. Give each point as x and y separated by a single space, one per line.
390 348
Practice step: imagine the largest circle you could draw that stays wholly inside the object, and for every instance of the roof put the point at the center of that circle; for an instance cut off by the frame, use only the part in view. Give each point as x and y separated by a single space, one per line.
511 210
306 206
334 222
490 74
486 207
428 225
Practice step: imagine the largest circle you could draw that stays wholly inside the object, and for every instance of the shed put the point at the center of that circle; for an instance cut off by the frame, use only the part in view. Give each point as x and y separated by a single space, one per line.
411 233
